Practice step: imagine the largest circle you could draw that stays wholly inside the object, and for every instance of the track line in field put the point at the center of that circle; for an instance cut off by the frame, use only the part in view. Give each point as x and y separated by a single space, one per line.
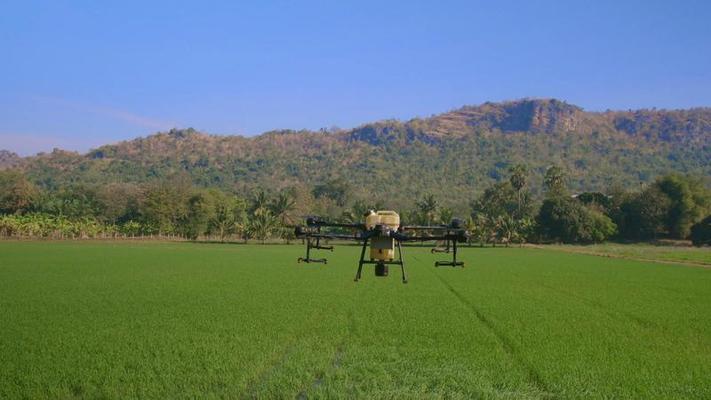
251 392
270 366
335 362
533 375
333 365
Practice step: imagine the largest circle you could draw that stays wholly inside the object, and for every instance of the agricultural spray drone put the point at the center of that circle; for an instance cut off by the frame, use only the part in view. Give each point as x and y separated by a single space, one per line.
382 230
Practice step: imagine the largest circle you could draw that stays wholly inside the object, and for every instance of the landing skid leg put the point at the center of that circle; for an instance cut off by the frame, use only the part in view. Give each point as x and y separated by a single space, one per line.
454 262
402 262
309 246
360 263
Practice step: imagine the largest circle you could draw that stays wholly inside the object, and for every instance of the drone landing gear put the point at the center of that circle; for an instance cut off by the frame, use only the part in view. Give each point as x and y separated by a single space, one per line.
314 244
381 266
454 262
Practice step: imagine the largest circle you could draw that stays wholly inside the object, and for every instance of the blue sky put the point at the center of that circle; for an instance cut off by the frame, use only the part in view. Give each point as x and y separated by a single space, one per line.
83 73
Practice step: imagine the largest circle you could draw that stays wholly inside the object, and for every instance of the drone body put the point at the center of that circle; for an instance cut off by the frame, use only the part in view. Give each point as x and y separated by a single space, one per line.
382 247
383 232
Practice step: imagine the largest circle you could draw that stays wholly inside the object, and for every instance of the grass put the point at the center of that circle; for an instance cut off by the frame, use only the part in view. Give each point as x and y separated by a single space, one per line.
680 254
183 320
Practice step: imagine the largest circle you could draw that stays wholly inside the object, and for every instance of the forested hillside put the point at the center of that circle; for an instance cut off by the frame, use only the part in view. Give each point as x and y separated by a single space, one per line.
9 159
454 155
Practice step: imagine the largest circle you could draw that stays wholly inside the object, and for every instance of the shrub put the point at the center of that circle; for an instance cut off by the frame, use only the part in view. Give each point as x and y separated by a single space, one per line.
567 220
701 232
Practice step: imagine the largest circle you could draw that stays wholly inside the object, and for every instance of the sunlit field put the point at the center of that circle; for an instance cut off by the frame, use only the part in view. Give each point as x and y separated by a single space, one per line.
673 254
188 320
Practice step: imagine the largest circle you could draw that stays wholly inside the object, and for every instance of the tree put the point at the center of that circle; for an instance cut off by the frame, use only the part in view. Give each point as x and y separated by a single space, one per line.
260 200
166 204
595 200
17 194
701 232
427 207
334 189
471 227
524 229
689 201
505 229
360 208
75 201
200 210
229 216
618 196
554 181
567 220
492 229
643 215
668 207
501 199
119 202
479 229
519 174
445 215
504 211
355 213
281 207
262 224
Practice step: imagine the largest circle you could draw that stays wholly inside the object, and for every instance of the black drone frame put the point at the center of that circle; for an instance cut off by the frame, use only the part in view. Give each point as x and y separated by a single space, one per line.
380 264
314 243
454 262
450 246
451 234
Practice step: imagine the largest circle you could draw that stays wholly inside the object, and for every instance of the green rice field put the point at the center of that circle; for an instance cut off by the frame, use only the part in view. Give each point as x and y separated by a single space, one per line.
672 254
118 320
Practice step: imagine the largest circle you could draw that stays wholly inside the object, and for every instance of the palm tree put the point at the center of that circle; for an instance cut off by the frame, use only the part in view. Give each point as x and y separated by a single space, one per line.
262 224
471 227
518 182
428 207
260 200
281 208
554 180
445 215
229 212
506 229
491 229
479 227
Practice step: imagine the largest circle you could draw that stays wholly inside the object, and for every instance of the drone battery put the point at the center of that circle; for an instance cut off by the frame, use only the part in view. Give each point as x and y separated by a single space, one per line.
382 248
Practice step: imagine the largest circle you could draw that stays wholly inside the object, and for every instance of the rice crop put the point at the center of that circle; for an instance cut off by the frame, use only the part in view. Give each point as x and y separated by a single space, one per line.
187 320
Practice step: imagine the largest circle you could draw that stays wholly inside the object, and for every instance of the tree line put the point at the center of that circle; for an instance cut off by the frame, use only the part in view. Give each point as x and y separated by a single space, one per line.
672 207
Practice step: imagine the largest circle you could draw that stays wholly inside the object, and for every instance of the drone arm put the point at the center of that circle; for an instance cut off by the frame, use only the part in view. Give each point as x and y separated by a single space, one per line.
315 222
422 227
328 236
459 236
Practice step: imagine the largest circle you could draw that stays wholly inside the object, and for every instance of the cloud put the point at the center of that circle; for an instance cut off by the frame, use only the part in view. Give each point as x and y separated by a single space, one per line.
111 112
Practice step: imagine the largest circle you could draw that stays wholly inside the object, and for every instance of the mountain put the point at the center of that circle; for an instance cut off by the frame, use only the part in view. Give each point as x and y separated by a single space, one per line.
454 154
9 159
